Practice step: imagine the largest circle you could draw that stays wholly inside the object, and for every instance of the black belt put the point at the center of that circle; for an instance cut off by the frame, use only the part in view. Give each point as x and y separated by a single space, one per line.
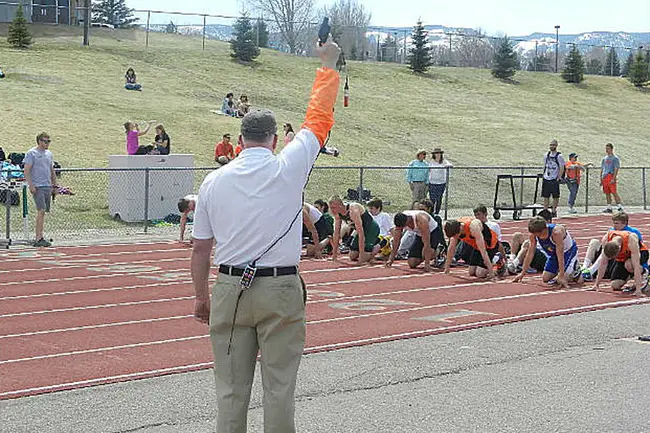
262 272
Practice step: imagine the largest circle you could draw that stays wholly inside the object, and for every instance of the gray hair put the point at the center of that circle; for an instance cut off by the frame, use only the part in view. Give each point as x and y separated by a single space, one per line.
258 126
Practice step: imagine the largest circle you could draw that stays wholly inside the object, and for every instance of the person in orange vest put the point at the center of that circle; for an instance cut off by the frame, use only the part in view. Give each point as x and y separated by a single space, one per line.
479 237
573 170
626 254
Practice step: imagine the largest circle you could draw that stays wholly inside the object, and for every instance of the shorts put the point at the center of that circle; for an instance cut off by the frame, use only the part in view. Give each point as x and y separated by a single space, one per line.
475 259
570 261
550 188
323 229
43 198
619 272
435 239
539 260
609 188
371 231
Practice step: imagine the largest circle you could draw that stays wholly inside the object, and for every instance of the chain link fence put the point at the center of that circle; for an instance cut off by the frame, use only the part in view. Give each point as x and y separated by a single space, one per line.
127 204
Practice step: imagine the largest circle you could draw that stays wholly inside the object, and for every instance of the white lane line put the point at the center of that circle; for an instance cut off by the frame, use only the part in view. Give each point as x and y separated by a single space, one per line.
502 320
505 319
338 299
89 265
103 325
99 380
104 349
96 307
184 282
92 307
448 304
78 256
136 274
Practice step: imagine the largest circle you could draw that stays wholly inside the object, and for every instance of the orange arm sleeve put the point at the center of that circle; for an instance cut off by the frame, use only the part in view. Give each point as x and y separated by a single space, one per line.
320 111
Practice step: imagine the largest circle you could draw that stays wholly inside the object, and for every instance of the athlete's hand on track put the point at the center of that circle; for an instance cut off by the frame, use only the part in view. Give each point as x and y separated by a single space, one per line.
518 278
389 263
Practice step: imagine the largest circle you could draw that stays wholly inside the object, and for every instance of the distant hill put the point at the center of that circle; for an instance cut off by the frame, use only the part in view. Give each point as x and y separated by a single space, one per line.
439 35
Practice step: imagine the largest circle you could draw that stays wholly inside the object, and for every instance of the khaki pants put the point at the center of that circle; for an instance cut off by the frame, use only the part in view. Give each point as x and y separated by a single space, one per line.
271 319
419 190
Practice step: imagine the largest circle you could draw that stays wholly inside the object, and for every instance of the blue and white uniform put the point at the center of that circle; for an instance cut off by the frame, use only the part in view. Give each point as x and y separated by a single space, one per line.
569 248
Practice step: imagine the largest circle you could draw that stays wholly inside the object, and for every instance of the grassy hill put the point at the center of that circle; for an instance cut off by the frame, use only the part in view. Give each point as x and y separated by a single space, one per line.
77 95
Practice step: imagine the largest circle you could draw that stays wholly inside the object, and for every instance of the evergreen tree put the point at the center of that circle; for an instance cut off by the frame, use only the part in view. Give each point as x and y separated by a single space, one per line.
389 49
242 44
628 65
419 57
505 63
18 35
113 12
260 26
574 68
612 57
171 28
638 71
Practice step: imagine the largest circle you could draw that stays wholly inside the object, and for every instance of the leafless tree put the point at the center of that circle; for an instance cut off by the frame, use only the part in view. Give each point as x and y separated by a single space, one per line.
474 51
349 21
293 18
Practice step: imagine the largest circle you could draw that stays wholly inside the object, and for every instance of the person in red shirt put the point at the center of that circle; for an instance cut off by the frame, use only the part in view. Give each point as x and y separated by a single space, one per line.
224 152
573 170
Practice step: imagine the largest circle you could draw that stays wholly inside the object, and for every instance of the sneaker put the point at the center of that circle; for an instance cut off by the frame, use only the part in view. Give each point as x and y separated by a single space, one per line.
512 269
577 272
586 275
619 208
607 210
629 290
572 210
554 214
344 249
42 243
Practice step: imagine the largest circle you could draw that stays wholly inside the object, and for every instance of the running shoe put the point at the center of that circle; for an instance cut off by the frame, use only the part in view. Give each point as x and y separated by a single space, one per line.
512 269
607 210
572 210
577 272
42 243
586 275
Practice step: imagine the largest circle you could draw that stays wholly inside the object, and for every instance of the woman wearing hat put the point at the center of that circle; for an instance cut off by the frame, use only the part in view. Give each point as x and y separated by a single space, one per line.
417 176
438 178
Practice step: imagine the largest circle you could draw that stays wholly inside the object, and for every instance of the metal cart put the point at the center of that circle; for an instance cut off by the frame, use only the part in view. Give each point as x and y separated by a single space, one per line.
517 203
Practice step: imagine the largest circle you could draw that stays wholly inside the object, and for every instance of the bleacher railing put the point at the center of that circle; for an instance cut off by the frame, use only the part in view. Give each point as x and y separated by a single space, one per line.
102 197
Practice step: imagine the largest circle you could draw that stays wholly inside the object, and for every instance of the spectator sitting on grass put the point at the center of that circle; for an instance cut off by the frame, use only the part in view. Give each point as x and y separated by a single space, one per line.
223 151
2 74
288 133
243 106
132 139
163 142
228 107
131 81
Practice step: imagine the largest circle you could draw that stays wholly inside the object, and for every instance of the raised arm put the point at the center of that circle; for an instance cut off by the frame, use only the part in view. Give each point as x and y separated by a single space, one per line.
320 111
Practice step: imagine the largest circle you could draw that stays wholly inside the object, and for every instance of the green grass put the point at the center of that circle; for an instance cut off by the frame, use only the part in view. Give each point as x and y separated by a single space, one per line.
77 95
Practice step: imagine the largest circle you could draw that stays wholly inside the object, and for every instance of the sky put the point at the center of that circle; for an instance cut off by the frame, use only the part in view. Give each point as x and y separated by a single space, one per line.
512 17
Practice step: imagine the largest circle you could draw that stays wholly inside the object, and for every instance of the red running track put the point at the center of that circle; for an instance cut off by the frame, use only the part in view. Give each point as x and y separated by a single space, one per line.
80 316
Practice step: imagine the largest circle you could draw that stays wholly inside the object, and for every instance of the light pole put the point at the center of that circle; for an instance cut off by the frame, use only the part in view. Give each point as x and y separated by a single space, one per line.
557 45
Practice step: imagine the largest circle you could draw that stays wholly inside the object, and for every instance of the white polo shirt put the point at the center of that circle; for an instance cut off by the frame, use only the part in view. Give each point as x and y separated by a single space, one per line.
249 203
314 214
433 224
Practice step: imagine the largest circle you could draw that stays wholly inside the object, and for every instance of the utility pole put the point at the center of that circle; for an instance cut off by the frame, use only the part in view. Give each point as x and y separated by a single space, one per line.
535 61
557 45
86 22
449 50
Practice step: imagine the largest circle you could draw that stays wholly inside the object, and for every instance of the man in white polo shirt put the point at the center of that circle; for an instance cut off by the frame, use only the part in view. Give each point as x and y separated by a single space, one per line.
252 208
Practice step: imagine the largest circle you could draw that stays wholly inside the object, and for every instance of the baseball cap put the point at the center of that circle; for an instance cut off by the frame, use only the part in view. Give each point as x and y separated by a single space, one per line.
573 155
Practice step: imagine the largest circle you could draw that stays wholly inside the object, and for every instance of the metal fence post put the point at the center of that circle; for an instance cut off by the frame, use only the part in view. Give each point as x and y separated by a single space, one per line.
146 199
587 190
645 197
447 173
146 35
360 191
521 186
204 32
